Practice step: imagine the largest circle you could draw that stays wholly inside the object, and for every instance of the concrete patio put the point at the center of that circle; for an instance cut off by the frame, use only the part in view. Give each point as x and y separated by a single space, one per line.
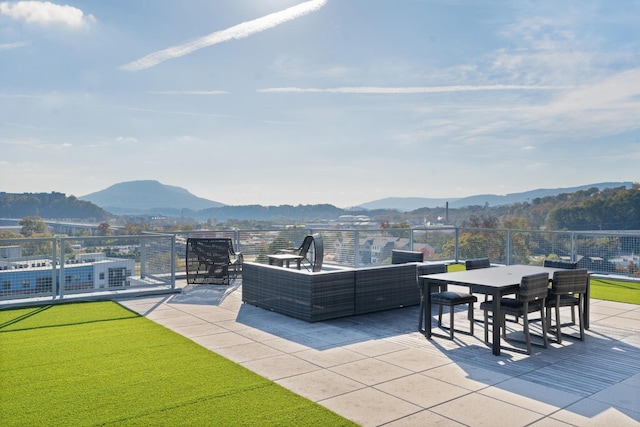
376 369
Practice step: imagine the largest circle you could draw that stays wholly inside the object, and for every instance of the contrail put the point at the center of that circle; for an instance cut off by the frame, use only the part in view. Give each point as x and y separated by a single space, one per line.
239 31
406 90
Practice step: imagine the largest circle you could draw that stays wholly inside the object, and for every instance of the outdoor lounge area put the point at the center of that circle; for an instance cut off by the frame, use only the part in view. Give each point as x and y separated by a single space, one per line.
378 369
349 339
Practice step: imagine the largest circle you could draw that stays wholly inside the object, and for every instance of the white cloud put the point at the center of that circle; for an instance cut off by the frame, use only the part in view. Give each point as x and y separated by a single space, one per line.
189 92
44 13
126 140
406 90
32 142
236 32
7 46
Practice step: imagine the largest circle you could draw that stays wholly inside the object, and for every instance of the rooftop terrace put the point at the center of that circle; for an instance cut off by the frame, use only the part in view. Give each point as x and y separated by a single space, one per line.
376 369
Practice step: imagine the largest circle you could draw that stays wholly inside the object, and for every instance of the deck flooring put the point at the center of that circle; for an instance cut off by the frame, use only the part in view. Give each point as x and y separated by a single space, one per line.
377 369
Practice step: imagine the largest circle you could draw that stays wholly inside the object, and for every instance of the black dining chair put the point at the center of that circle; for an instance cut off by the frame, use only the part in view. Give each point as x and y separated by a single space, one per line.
568 289
531 296
556 263
474 264
450 299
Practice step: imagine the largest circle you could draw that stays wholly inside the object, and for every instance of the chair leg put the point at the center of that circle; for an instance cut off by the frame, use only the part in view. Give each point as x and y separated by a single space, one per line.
544 326
558 332
440 315
502 324
451 313
421 313
486 326
470 315
581 317
525 324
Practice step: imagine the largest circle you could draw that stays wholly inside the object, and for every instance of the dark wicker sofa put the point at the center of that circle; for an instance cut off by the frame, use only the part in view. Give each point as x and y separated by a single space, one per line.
385 287
310 296
323 295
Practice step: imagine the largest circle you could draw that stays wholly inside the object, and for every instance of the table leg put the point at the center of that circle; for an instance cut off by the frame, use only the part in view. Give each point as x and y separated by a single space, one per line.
427 309
587 297
421 316
497 319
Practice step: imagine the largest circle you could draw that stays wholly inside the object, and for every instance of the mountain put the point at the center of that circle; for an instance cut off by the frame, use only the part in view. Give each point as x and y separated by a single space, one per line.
407 204
49 205
140 197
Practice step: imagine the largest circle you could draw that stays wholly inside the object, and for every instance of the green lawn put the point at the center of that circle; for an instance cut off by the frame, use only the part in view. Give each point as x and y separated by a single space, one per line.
99 363
615 290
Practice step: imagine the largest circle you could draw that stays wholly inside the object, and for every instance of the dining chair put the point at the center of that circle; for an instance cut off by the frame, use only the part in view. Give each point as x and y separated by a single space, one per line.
556 263
450 299
474 264
568 289
530 298
477 263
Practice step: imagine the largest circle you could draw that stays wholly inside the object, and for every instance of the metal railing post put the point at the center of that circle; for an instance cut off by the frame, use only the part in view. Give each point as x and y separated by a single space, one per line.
457 255
61 278
143 257
508 248
173 261
411 236
236 238
54 283
356 248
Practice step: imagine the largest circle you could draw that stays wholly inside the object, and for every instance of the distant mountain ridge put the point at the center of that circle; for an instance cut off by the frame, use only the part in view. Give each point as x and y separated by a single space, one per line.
147 196
408 204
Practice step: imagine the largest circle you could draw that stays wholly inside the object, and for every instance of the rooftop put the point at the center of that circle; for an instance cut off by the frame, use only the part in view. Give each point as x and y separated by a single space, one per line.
377 369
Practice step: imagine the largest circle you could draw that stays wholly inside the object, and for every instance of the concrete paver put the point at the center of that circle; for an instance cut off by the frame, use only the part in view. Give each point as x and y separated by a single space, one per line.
377 370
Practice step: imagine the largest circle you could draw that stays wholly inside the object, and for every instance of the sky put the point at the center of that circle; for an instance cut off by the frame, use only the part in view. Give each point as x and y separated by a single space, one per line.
342 102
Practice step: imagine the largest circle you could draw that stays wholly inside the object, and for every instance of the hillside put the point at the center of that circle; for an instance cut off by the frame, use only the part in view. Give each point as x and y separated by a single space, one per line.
146 197
50 206
407 204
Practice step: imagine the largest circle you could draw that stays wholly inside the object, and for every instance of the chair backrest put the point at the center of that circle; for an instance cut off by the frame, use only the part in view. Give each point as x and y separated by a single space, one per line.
433 268
533 287
570 281
215 251
318 250
473 264
401 257
554 263
304 247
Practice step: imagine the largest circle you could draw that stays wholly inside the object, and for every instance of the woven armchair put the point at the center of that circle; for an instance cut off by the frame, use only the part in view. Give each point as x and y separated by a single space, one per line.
211 260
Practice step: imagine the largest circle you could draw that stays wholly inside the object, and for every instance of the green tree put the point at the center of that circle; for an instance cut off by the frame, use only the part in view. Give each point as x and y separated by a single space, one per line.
33 226
104 229
521 241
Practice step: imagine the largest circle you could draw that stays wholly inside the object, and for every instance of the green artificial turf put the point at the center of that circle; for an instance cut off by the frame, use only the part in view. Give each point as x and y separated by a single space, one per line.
615 290
99 363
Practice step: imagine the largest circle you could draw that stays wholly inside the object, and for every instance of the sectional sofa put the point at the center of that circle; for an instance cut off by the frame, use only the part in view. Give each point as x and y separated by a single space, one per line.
329 294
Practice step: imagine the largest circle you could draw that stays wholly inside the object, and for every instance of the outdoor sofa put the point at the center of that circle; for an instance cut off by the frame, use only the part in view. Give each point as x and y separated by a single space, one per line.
329 294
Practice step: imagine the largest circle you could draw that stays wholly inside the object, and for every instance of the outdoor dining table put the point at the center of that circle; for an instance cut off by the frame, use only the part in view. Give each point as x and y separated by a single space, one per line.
494 281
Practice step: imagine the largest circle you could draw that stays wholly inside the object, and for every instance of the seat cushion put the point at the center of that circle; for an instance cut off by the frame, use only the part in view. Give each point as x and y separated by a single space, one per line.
511 306
565 301
450 297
